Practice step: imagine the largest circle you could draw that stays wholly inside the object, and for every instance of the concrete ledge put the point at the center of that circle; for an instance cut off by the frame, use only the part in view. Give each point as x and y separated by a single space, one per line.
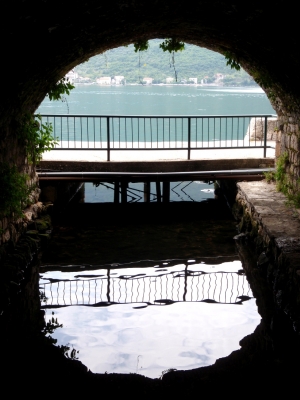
158 166
268 208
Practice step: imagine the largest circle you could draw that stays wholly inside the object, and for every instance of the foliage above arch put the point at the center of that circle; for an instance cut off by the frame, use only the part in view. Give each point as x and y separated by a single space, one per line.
172 45
63 86
141 45
232 61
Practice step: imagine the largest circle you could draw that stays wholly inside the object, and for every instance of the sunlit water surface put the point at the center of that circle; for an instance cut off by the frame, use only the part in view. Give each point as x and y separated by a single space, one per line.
146 319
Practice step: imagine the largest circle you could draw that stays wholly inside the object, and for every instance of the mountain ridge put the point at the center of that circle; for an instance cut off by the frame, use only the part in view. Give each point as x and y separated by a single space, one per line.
192 62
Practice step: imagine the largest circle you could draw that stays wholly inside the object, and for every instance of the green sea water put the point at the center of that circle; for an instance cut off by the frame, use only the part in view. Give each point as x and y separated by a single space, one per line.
160 100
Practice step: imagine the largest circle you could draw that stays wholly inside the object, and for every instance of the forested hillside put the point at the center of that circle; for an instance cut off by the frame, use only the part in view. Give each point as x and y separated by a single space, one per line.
193 62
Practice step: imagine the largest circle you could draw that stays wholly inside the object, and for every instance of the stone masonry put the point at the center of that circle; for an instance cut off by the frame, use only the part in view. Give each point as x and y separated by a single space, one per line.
275 228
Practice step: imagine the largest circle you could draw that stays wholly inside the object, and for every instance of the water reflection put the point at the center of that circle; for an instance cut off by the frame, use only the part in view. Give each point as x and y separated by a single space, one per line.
195 191
119 323
160 284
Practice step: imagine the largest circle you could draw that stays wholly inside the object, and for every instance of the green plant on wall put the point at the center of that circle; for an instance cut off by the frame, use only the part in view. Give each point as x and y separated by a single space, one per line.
37 137
280 174
281 179
14 193
270 176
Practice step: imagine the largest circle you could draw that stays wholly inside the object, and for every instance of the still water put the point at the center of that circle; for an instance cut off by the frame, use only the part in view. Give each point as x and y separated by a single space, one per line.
160 100
179 191
146 317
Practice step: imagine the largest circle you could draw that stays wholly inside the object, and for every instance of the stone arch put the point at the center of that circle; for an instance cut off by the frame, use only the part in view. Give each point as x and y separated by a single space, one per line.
41 43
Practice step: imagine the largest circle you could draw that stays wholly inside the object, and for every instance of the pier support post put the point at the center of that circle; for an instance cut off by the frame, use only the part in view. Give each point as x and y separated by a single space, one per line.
158 192
166 192
147 192
116 192
124 186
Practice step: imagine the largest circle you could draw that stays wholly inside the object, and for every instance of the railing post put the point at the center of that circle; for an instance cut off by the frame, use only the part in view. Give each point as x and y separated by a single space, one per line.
265 136
108 139
189 138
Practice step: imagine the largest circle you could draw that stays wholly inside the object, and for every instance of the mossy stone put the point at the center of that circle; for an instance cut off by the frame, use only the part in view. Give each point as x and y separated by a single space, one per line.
42 224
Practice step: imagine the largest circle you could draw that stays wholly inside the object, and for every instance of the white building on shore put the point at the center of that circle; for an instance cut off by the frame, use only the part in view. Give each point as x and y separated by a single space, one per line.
147 81
104 80
71 76
194 80
118 80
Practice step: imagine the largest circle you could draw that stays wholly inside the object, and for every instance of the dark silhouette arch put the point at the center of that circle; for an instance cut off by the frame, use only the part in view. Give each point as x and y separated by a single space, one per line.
42 41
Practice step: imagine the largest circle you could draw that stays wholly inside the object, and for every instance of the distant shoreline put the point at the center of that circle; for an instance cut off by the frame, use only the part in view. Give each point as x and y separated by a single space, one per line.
209 85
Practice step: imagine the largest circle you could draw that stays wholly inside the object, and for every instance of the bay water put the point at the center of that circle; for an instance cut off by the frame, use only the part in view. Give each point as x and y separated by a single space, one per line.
160 100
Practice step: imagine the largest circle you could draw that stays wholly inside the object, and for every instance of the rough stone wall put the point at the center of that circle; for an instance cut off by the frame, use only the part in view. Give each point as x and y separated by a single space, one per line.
289 142
266 220
257 127
11 229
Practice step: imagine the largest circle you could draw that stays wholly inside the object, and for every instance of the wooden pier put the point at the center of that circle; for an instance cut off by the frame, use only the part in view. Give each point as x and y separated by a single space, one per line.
159 172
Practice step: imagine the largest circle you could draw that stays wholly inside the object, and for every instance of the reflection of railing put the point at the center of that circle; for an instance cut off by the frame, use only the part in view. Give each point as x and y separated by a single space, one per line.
95 132
163 288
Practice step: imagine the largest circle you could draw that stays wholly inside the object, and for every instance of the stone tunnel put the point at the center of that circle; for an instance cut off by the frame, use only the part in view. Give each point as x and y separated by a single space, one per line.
40 44
42 41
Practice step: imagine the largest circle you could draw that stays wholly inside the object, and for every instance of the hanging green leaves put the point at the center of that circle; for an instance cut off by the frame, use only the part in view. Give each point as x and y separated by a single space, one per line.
172 45
141 45
232 61
63 86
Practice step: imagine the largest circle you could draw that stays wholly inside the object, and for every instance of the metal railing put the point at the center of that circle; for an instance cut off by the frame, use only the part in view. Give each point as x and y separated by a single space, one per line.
114 133
163 289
